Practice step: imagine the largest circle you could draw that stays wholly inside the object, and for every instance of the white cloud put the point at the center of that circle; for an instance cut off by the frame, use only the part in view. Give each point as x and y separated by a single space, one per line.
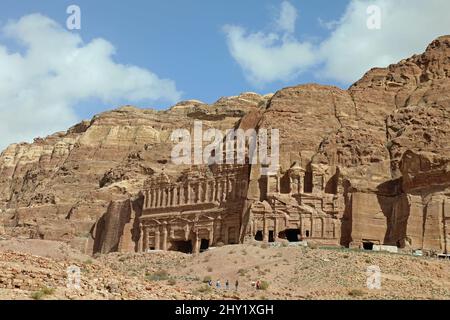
268 57
274 56
407 27
287 18
351 49
329 25
40 87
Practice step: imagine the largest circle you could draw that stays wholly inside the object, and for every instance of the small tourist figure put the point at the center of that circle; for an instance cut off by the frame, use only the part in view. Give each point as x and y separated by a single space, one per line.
218 284
236 285
227 285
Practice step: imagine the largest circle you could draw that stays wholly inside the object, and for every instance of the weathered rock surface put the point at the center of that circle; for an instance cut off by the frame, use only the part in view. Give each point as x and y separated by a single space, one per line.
379 151
57 187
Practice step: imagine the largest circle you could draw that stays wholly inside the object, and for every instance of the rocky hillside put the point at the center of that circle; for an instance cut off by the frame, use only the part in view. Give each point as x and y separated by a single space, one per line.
302 273
57 187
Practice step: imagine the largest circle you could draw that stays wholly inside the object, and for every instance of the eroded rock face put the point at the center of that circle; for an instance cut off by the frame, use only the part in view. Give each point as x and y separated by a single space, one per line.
59 186
365 165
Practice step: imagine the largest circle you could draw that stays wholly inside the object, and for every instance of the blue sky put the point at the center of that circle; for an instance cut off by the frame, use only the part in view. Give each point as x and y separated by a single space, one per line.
178 39
154 53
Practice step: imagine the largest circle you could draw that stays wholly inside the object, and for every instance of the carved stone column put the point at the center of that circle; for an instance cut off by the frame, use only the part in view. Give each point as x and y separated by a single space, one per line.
196 244
141 238
150 198
204 191
275 229
165 197
170 196
222 190
301 180
217 196
181 192
198 193
161 197
211 234
233 189
146 195
214 190
226 189
145 244
207 191
174 196
164 240
188 200
217 229
153 198
266 229
157 239
156 196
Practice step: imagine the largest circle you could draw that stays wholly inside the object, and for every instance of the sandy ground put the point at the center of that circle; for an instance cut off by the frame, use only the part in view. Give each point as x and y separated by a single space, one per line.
289 272
43 248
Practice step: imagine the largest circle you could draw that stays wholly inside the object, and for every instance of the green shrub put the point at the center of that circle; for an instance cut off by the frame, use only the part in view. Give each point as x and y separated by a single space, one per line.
38 295
312 245
48 291
242 272
45 291
158 276
356 293
204 289
264 285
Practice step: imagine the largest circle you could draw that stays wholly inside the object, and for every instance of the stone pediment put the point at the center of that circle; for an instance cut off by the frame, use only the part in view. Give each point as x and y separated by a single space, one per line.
179 221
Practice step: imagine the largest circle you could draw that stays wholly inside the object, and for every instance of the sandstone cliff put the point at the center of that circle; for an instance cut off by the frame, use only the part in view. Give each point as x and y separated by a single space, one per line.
385 140
59 186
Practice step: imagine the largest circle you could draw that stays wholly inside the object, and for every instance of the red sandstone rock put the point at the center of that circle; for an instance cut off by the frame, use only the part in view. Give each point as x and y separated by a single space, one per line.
369 164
